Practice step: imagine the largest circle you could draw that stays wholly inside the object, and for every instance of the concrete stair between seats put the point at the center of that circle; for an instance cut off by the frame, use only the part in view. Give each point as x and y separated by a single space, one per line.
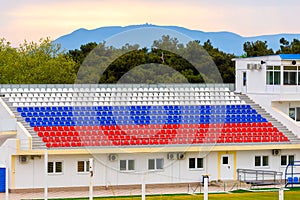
293 138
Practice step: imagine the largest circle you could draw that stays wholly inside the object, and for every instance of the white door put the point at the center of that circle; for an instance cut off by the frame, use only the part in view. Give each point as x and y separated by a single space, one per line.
227 167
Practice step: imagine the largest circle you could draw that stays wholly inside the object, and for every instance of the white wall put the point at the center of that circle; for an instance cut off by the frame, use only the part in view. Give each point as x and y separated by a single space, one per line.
106 173
8 148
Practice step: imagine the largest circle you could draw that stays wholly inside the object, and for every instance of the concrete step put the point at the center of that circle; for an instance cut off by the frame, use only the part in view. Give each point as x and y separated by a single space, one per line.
270 118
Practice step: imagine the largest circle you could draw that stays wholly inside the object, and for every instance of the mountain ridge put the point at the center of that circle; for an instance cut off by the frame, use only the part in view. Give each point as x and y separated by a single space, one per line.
226 41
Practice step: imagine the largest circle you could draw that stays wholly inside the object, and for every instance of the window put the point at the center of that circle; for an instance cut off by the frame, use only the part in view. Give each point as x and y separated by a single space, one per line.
54 167
244 78
287 159
273 75
156 164
294 113
83 166
290 75
127 165
195 163
261 161
225 160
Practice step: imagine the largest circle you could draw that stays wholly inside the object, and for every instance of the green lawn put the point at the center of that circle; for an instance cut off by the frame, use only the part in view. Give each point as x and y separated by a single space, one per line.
288 195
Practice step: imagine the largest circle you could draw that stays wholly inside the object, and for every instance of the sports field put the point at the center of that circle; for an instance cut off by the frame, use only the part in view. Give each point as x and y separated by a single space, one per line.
238 195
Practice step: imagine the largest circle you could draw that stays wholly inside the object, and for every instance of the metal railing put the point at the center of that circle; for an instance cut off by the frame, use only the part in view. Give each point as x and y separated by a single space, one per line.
259 177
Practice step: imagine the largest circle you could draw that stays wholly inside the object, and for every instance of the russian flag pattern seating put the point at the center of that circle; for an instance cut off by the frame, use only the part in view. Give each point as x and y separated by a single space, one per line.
136 125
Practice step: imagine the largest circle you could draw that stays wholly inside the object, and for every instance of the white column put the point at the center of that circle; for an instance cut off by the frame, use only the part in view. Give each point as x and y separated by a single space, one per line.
6 181
91 169
205 179
46 175
143 187
281 194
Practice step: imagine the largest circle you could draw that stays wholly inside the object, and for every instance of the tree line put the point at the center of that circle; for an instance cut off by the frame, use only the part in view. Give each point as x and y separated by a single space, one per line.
167 61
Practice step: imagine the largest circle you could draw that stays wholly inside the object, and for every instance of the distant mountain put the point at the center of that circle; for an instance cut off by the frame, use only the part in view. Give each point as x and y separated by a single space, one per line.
145 34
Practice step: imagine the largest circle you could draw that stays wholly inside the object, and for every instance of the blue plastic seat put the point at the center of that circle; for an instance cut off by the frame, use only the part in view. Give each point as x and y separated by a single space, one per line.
48 109
296 180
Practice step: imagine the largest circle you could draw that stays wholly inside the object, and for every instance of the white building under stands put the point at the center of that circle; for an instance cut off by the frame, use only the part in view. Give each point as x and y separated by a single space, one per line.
169 134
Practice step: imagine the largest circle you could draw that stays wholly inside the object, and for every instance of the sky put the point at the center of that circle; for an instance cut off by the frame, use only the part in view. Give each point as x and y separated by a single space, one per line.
34 19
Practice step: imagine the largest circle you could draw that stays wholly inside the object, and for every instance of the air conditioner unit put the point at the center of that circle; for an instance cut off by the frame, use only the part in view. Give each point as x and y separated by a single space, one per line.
250 66
181 156
113 157
23 159
258 66
275 152
172 156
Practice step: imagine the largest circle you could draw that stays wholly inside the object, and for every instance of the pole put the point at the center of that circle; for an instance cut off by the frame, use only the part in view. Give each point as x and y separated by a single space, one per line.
143 187
46 175
91 169
281 194
6 181
205 178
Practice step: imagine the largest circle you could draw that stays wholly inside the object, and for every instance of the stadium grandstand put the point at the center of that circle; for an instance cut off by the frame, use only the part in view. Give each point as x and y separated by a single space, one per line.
169 133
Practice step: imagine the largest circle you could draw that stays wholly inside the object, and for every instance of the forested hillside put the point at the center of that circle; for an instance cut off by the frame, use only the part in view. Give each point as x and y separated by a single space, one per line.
167 61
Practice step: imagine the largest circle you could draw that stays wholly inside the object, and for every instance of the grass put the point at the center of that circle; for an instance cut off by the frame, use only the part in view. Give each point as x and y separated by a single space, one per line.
238 195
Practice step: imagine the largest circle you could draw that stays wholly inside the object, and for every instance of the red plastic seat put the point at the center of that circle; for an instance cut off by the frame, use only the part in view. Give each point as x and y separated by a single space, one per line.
40 134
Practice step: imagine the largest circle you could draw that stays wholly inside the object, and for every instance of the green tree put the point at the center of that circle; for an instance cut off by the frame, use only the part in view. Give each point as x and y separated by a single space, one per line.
33 63
289 48
257 48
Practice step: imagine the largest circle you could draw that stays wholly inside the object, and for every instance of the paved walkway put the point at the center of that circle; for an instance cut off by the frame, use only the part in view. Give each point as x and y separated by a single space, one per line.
109 192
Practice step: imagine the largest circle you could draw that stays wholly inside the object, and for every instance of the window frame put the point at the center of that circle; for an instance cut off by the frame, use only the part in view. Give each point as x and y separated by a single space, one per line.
55 167
287 159
156 164
197 167
86 166
126 169
287 74
296 112
260 163
272 73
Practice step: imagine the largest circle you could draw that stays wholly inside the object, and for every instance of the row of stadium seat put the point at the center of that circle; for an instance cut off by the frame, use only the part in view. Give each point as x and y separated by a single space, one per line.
125 103
135 108
122 94
120 99
183 113
83 122
75 95
98 141
248 126
157 134
111 89
122 119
